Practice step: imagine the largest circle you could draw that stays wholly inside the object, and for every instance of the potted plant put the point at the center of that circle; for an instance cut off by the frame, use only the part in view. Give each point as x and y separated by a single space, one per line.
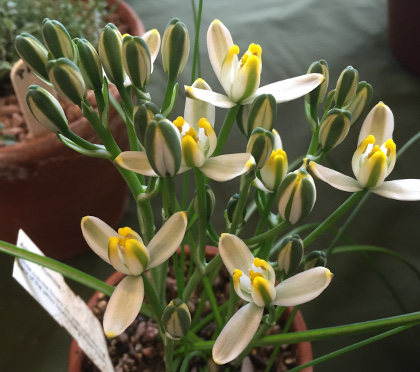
269 265
39 173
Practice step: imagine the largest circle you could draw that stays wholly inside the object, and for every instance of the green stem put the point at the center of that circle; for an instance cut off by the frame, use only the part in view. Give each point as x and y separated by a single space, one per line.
268 234
197 25
314 143
324 226
352 347
202 219
154 301
265 213
226 128
168 94
169 355
245 187
213 302
411 141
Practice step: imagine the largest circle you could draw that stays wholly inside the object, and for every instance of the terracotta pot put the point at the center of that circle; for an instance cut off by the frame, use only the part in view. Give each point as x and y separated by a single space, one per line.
46 188
404 32
303 350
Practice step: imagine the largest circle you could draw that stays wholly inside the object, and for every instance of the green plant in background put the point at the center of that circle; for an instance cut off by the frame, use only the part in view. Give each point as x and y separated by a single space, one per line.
264 267
81 18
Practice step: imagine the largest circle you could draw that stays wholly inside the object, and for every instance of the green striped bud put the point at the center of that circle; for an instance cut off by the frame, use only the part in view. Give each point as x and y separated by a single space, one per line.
110 54
210 202
136 60
90 65
231 207
58 40
290 254
260 145
334 128
163 146
143 114
360 101
346 87
316 96
262 113
297 195
67 79
176 319
33 53
46 109
175 47
314 259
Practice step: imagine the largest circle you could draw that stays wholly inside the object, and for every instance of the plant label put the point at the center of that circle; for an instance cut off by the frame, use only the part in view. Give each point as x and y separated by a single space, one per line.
69 310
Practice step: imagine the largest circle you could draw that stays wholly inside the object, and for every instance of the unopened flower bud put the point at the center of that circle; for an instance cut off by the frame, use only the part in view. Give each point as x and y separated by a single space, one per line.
360 101
297 195
176 319
163 146
290 254
58 40
33 53
260 146
346 87
210 202
143 114
231 207
175 47
262 113
90 65
314 259
334 128
316 96
110 54
67 79
46 109
136 60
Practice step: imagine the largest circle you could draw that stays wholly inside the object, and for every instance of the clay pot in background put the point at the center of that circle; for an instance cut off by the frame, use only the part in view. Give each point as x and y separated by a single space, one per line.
46 188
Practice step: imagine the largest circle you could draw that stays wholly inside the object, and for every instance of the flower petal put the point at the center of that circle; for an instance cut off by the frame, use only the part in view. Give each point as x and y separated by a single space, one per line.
289 89
135 161
302 287
97 233
237 334
152 39
379 123
196 109
124 305
214 98
167 239
235 254
226 167
219 41
334 178
399 189
259 185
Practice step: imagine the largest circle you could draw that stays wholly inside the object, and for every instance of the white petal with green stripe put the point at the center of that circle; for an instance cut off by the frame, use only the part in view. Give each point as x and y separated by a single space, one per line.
263 292
136 60
57 39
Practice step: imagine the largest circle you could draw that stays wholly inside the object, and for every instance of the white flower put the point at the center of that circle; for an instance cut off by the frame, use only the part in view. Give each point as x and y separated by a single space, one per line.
241 79
125 251
373 161
254 281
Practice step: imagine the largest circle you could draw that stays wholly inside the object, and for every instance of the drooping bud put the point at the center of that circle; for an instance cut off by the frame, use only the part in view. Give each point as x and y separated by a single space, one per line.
210 202
334 128
58 40
90 65
231 207
290 254
46 109
175 47
316 96
33 53
262 113
260 146
176 319
196 109
163 146
137 60
67 79
346 87
314 259
297 195
110 54
143 114
360 101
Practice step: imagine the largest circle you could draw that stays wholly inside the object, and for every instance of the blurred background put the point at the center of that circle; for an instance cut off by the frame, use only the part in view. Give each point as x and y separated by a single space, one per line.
292 35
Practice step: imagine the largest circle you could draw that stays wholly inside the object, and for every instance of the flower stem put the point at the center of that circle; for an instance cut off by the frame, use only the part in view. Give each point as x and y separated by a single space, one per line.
226 128
197 25
202 219
268 234
168 94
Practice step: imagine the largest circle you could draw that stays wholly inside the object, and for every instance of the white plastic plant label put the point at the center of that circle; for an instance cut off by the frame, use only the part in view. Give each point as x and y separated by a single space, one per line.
68 309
